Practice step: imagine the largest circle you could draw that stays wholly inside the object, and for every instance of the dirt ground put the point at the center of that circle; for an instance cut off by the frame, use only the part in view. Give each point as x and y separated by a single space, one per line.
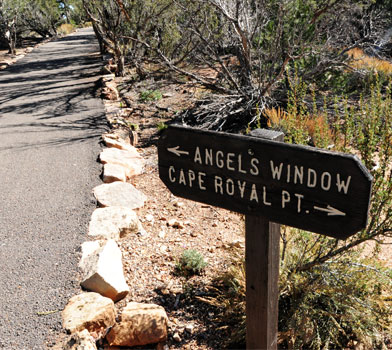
174 225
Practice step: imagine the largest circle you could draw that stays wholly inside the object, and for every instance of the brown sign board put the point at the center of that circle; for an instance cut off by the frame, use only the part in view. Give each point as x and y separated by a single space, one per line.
300 186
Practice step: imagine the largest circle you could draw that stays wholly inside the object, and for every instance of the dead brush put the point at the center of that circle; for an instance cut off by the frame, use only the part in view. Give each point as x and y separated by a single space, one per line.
315 126
359 60
275 116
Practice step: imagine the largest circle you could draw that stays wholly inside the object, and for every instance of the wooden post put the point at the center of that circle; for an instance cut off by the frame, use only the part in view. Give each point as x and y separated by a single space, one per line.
262 274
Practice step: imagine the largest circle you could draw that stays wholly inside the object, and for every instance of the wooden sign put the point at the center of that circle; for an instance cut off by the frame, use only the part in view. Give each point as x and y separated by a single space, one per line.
304 187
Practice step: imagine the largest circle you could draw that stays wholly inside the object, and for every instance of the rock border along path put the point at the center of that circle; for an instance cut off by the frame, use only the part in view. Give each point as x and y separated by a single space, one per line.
89 315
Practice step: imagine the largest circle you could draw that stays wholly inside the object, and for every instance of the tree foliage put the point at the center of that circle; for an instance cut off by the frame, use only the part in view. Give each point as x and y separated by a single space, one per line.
265 36
42 16
10 23
125 28
18 17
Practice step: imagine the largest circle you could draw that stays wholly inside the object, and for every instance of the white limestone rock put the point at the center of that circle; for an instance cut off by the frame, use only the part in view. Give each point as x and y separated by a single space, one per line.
114 172
129 159
102 271
112 140
109 91
89 248
119 194
114 223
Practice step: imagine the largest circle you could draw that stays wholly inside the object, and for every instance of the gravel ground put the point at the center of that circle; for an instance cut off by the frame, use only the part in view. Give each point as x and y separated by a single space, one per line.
50 124
197 320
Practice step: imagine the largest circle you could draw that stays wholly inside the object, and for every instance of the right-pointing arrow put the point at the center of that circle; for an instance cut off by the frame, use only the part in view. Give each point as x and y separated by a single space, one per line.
331 211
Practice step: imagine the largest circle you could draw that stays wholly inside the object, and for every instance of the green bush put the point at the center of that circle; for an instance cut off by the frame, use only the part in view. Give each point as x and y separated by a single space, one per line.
150 95
330 306
162 126
335 305
191 262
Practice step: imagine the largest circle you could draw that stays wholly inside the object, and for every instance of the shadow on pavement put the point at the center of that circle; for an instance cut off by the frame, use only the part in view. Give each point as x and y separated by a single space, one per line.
51 92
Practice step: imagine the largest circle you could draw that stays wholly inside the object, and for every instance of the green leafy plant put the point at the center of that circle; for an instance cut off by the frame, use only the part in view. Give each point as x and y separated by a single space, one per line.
191 262
132 126
150 95
338 304
161 126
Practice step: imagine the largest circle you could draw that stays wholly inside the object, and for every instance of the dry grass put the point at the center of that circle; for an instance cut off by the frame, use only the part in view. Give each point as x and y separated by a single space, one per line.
361 60
275 116
316 126
65 29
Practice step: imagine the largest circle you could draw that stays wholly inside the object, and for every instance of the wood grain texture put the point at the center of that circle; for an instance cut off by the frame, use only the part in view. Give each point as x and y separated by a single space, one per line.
262 275
304 187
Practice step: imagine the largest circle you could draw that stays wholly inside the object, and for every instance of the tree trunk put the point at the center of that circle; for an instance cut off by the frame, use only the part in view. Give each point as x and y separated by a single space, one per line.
120 60
11 47
11 41
102 46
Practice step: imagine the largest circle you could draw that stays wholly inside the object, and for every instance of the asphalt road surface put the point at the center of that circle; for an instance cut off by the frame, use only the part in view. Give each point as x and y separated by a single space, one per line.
50 123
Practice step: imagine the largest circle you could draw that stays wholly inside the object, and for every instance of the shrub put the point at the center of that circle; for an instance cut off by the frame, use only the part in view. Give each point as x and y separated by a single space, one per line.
150 95
303 122
191 262
329 306
65 28
162 126
335 305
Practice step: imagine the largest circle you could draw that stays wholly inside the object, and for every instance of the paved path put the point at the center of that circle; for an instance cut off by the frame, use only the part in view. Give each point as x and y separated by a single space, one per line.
50 123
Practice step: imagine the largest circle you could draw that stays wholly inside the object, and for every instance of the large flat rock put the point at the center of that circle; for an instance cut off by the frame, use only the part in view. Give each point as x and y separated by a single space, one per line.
89 311
140 324
113 173
129 159
114 223
119 194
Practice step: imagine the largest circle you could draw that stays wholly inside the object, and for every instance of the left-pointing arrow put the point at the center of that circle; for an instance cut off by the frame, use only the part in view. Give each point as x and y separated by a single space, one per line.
331 211
176 151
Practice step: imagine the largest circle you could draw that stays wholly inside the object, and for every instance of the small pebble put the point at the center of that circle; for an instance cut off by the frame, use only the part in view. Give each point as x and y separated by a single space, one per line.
149 218
189 328
175 223
176 337
237 243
